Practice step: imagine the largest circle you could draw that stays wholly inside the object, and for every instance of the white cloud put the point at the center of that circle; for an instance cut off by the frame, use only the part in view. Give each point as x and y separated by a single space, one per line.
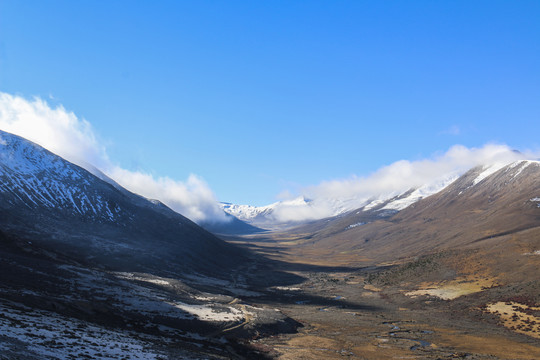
57 130
331 197
63 133
405 174
192 198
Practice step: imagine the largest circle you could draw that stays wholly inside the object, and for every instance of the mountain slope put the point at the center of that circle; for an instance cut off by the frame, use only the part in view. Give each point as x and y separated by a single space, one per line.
231 226
480 206
67 209
91 268
287 214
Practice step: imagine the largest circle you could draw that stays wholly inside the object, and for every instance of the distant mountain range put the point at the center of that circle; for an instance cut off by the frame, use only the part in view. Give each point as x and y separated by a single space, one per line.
34 178
68 209
274 216
264 216
486 205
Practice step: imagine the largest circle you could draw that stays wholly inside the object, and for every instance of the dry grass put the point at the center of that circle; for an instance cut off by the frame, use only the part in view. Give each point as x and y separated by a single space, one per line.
501 347
449 290
517 317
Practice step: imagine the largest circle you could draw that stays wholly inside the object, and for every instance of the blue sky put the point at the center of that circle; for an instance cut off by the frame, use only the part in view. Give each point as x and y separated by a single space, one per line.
260 97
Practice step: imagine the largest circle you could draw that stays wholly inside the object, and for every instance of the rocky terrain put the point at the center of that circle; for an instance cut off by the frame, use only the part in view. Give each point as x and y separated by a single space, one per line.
90 270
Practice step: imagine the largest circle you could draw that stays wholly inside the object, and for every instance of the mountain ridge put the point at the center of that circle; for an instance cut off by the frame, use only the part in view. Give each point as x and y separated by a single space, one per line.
44 196
478 206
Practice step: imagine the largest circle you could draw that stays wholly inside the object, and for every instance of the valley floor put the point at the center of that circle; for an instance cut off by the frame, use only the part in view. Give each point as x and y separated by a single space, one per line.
284 302
360 313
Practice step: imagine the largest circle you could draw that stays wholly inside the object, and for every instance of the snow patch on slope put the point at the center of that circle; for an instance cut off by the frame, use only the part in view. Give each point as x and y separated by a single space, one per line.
373 204
522 165
486 171
208 313
36 177
516 166
46 335
352 226
422 192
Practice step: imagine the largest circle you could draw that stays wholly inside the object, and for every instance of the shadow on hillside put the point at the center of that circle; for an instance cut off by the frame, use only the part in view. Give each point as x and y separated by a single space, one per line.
40 285
272 277
35 277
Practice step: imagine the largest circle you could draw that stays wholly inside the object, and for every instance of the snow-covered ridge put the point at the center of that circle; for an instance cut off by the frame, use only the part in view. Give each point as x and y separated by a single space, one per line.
248 212
337 206
35 177
521 165
516 167
245 212
403 201
318 208
420 193
486 171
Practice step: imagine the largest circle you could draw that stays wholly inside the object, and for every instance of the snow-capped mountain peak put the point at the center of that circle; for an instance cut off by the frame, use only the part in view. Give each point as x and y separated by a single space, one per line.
249 212
64 207
300 210
34 177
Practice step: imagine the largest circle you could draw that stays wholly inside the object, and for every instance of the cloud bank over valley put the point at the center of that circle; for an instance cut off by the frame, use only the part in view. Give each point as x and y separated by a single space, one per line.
329 198
63 133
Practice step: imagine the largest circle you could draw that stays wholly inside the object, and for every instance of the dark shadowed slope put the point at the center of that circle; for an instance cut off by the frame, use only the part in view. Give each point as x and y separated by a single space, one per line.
66 209
233 226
